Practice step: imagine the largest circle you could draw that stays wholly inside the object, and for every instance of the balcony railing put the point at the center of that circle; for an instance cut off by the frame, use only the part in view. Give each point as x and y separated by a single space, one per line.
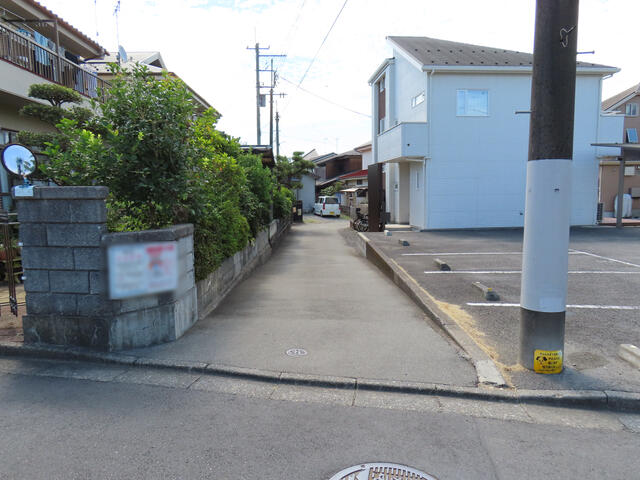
25 53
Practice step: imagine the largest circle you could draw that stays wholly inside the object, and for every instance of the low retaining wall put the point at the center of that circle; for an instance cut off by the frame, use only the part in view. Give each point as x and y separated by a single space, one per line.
161 317
213 289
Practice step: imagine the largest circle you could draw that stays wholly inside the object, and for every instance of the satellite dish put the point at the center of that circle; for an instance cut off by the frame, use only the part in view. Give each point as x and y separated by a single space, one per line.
18 160
122 54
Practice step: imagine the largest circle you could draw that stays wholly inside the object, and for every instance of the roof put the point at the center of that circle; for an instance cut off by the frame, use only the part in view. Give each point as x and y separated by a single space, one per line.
365 147
358 174
24 9
430 52
265 151
152 60
621 97
320 159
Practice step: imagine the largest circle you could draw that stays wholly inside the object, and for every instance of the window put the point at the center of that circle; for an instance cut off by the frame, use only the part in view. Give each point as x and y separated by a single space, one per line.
631 110
418 180
382 103
8 136
632 135
330 201
358 182
417 100
472 103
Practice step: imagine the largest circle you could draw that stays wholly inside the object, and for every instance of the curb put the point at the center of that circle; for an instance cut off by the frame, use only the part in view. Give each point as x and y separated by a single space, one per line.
487 371
596 399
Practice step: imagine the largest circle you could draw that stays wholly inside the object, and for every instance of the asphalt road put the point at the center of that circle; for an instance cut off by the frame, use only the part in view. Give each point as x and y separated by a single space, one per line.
604 309
317 294
63 420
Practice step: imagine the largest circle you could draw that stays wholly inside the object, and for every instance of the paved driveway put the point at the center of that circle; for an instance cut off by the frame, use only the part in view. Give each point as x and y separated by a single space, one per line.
603 310
317 294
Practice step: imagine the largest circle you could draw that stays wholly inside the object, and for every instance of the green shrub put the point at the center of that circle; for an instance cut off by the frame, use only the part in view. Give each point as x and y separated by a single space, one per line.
283 200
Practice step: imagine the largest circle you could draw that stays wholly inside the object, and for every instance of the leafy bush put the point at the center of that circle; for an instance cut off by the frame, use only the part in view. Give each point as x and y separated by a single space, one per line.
283 200
55 94
164 164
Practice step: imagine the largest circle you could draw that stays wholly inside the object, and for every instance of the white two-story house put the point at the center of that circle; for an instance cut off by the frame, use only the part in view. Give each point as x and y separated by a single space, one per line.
451 125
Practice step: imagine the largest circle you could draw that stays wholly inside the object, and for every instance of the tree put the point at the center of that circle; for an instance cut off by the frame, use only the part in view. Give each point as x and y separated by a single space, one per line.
54 113
332 189
289 172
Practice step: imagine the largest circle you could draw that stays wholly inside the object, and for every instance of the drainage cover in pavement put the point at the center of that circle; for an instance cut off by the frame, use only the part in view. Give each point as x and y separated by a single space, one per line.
381 471
296 352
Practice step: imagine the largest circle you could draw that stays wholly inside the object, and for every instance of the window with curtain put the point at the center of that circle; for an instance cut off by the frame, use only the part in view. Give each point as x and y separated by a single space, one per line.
472 103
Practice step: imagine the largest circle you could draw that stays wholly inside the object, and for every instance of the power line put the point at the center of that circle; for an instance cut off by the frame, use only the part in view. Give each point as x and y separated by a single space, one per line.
322 44
294 27
326 99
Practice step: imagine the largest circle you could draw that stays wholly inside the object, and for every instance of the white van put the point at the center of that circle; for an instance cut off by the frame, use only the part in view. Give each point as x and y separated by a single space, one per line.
327 206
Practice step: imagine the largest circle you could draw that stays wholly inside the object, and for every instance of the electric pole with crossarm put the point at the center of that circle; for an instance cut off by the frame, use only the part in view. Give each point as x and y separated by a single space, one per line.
547 220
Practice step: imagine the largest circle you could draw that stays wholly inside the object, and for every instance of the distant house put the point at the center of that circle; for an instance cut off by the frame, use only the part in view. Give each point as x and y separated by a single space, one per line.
152 60
354 189
445 125
625 103
329 168
367 154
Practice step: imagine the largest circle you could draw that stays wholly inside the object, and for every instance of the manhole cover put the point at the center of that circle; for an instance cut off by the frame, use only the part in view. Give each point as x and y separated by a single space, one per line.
296 352
381 471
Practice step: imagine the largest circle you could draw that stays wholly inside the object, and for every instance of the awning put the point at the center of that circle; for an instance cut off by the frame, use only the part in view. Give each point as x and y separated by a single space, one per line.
351 190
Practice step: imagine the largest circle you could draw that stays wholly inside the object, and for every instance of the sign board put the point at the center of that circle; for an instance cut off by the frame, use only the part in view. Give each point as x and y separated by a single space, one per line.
137 269
547 361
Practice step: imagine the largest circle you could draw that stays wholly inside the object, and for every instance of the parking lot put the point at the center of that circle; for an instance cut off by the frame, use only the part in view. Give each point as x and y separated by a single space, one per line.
603 301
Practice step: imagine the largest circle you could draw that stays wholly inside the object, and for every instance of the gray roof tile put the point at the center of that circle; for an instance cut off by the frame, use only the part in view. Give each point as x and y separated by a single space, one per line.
432 51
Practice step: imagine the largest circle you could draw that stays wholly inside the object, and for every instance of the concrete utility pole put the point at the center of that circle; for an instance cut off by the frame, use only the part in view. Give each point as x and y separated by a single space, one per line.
258 92
271 107
548 198
277 134
258 96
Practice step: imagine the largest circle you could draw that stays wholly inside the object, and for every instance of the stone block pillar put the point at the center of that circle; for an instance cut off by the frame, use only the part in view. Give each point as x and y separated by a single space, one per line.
64 266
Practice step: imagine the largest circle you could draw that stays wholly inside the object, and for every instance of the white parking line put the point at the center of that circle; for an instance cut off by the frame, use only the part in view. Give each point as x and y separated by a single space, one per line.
588 307
606 258
451 254
491 272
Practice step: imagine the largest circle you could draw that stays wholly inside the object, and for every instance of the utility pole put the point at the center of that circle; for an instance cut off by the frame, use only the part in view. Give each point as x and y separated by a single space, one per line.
548 193
277 134
257 49
273 83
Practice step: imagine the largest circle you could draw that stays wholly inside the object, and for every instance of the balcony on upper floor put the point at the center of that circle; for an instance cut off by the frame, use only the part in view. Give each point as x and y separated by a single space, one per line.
403 141
23 52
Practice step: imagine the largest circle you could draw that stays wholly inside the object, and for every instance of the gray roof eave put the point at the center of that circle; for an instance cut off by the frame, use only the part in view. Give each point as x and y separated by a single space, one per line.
511 69
380 69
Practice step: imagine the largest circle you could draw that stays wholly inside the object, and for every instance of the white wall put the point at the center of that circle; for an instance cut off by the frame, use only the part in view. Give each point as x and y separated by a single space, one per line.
409 82
417 195
307 193
478 166
477 174
367 159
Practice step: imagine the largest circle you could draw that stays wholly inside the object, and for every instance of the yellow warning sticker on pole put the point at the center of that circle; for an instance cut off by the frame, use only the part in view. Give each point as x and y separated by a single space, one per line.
547 361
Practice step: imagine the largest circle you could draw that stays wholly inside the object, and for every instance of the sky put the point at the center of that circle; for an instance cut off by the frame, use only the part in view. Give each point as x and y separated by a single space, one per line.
205 43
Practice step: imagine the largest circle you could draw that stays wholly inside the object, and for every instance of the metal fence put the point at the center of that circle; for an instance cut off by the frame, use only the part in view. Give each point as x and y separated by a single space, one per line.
20 50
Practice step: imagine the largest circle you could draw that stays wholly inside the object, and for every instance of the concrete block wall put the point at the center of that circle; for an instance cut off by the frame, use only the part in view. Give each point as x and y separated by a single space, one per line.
63 264
64 236
162 317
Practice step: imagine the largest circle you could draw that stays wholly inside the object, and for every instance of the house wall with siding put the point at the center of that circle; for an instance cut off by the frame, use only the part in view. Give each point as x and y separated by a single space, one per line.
410 82
476 176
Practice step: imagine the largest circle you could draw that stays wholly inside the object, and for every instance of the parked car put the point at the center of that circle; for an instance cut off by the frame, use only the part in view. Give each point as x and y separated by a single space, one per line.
327 206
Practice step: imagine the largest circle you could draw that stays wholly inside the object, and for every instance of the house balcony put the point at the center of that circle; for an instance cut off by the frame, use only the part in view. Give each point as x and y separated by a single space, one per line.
403 141
24 53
